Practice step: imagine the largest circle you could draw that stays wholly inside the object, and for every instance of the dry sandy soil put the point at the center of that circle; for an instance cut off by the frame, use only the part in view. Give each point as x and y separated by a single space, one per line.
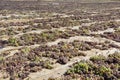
42 39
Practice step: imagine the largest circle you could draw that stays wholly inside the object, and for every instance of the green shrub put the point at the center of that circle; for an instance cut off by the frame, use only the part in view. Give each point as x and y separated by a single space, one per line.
25 50
48 65
78 68
103 70
1 58
13 41
97 58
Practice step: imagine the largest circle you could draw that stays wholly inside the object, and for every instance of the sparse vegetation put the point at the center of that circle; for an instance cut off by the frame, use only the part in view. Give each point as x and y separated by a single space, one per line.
13 42
50 36
105 71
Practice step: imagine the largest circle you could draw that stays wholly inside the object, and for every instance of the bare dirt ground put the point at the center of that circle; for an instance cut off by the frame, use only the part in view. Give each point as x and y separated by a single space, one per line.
42 39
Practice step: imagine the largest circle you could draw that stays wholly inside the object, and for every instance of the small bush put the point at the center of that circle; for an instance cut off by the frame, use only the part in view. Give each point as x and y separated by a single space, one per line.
79 68
97 58
103 70
13 41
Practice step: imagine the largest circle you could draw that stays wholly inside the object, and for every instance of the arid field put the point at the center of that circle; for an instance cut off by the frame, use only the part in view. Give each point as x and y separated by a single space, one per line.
59 40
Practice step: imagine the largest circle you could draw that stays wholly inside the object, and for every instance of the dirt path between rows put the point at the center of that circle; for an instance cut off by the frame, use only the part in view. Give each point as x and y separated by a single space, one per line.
71 39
